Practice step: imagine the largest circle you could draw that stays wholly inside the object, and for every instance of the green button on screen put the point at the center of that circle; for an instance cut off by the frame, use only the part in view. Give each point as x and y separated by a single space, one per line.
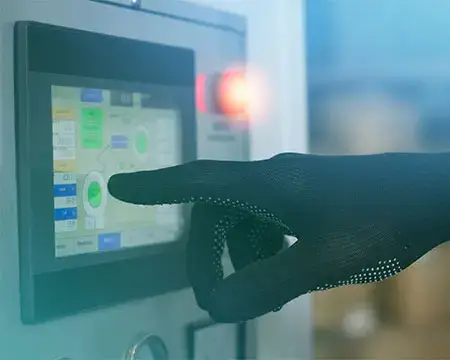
95 194
141 143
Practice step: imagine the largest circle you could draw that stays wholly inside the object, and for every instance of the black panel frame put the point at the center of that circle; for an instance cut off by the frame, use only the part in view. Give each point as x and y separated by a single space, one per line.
193 328
68 286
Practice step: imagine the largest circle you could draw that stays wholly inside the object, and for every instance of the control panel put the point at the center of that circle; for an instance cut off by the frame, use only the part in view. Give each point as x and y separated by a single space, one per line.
79 120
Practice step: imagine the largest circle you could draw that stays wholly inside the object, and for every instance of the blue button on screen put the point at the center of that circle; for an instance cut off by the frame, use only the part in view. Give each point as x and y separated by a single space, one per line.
109 241
91 96
119 142
63 190
65 214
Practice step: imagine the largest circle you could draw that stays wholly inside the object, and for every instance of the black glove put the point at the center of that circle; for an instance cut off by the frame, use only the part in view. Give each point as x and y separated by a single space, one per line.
358 219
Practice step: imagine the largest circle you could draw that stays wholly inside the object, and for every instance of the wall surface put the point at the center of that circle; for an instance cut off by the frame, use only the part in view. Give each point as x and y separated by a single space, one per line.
276 48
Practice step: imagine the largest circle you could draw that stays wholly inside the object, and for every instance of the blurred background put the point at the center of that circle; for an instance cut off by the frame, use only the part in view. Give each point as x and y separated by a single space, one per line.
378 81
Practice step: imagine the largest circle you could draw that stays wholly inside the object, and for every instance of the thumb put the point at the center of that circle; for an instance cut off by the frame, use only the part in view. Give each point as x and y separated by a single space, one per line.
207 235
195 181
262 287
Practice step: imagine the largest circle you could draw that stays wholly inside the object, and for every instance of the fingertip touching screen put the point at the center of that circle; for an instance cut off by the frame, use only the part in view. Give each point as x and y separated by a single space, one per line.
89 106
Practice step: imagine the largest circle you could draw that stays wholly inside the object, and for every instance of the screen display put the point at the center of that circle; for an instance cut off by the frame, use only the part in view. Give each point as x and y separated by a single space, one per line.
97 133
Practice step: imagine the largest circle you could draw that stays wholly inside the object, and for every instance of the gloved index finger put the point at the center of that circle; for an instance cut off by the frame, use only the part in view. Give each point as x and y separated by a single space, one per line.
191 182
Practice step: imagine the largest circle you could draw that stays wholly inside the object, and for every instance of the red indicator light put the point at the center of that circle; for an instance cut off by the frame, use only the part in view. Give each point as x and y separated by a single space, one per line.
233 93
200 93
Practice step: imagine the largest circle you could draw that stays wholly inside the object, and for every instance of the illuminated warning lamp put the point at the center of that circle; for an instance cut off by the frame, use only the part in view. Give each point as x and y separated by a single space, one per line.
200 93
232 95
226 93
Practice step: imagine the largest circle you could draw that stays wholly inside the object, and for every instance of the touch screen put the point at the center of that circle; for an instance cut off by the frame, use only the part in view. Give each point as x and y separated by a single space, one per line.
97 133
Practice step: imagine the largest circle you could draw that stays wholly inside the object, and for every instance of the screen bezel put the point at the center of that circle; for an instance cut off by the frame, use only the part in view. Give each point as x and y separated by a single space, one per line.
47 55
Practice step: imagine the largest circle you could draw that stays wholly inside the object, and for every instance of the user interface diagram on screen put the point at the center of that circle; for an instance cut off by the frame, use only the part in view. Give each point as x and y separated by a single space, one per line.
97 133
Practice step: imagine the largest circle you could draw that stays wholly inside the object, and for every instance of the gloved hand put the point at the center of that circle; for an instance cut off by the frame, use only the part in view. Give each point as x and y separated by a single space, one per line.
358 219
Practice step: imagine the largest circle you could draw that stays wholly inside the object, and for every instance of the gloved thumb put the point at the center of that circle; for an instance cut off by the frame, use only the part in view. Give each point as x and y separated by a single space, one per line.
262 287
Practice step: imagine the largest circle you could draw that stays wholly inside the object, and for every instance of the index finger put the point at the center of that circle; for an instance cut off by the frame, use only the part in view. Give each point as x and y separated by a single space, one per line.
191 182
